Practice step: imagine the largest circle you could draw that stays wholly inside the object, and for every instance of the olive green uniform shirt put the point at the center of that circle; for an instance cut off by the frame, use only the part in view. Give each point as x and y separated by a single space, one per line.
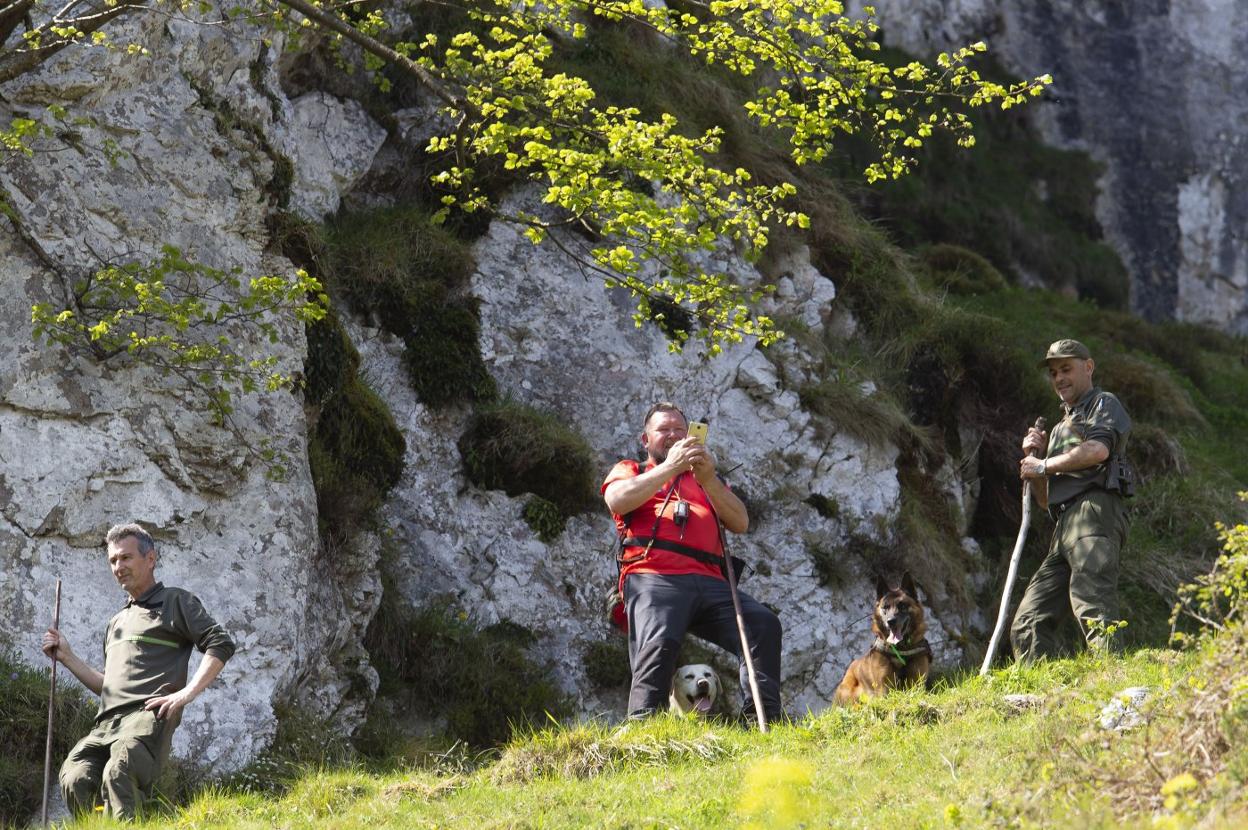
147 647
1096 416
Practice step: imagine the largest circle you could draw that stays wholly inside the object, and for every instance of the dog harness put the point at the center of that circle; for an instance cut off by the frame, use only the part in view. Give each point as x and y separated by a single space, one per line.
899 656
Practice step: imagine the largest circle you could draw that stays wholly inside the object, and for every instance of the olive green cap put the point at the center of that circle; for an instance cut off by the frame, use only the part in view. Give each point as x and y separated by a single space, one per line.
1066 348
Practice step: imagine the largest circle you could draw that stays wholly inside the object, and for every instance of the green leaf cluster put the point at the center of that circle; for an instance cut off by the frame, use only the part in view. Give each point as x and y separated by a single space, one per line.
651 196
205 326
1218 600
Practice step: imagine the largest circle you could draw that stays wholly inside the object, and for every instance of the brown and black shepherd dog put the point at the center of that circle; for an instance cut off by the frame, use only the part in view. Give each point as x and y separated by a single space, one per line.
900 656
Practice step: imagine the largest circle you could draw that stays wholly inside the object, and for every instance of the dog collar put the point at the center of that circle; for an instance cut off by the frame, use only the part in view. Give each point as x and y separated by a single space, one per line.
900 655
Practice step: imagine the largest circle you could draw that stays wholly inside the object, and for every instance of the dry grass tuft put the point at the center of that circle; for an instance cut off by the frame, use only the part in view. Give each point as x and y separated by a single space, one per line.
417 789
589 751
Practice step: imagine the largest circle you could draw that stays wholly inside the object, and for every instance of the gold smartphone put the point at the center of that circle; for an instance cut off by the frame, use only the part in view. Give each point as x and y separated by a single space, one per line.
697 431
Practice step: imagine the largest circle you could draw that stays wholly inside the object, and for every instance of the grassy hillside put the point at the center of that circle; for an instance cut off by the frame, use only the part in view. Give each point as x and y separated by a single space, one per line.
963 755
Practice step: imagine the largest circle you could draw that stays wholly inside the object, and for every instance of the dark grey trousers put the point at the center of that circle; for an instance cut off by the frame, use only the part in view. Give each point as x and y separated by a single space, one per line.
662 609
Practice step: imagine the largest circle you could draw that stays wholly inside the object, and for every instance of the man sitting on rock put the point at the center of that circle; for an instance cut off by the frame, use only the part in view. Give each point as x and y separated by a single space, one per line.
143 688
667 512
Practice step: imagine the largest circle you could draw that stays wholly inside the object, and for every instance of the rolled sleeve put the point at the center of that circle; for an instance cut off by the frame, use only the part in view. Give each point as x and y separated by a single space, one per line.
202 630
1108 422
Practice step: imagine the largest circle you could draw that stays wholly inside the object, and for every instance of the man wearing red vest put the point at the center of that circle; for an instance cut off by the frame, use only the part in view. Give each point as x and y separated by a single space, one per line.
668 511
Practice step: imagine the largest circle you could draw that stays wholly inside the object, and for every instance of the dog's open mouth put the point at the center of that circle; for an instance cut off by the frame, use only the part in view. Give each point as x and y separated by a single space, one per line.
700 703
895 634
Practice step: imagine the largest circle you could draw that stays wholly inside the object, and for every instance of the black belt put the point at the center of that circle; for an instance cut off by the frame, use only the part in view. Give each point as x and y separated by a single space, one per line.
675 547
1056 510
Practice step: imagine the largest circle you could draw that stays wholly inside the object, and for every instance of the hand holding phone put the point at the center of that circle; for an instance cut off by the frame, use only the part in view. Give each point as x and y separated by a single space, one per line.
697 431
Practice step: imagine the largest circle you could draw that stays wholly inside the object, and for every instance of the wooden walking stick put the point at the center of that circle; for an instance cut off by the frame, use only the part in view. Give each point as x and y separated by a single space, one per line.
1013 570
47 755
745 641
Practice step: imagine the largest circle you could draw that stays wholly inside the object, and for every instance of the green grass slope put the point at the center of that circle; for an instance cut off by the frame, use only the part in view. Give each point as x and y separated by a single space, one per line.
963 755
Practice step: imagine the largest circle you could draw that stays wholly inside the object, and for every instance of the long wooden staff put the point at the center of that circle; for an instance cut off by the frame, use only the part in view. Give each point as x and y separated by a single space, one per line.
1013 571
745 640
47 755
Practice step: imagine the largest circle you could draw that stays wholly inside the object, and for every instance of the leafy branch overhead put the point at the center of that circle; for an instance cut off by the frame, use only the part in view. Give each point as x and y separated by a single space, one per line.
205 326
650 193
815 78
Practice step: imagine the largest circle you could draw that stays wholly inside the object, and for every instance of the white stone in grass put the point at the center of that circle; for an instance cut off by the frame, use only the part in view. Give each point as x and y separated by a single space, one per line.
1123 713
1021 703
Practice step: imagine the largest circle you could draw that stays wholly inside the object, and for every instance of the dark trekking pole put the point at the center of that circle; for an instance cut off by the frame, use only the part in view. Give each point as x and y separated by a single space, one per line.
47 755
1013 570
745 641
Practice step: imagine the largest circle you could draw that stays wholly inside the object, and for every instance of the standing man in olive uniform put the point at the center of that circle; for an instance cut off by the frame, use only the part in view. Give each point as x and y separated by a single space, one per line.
143 687
1081 480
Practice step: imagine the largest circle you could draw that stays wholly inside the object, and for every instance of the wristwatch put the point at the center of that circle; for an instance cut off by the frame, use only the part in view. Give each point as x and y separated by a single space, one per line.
1044 466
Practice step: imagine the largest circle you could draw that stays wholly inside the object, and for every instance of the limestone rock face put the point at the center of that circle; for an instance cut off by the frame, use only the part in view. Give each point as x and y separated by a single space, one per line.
552 340
1158 92
201 134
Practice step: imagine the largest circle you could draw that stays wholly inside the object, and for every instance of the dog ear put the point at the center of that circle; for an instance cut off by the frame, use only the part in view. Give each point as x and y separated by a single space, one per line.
907 585
881 587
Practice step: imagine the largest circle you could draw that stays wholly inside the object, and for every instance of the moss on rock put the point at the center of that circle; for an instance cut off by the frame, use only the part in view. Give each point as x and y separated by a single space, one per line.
397 267
355 449
512 447
481 679
606 662
544 518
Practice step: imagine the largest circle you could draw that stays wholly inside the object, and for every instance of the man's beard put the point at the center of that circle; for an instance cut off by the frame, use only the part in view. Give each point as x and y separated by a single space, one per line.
657 454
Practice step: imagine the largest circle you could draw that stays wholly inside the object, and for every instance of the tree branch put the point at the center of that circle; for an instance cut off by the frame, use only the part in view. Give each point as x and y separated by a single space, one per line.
11 15
370 44
19 62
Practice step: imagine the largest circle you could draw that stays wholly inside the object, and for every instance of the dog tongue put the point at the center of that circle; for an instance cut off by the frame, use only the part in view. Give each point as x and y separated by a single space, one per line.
702 704
894 638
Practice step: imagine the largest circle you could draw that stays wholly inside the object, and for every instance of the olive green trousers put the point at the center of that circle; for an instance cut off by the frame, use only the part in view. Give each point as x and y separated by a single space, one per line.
1079 575
116 764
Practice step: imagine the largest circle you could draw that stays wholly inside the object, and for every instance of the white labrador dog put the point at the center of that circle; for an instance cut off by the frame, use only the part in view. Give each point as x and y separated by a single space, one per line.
694 689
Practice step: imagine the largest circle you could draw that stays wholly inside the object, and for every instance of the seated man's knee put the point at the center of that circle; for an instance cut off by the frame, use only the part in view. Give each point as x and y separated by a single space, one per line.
80 785
765 624
129 773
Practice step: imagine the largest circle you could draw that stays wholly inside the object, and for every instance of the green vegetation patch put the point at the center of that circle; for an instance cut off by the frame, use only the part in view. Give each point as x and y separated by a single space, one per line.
960 270
512 447
606 662
355 449
1024 206
395 266
850 404
24 733
482 680
962 755
544 517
